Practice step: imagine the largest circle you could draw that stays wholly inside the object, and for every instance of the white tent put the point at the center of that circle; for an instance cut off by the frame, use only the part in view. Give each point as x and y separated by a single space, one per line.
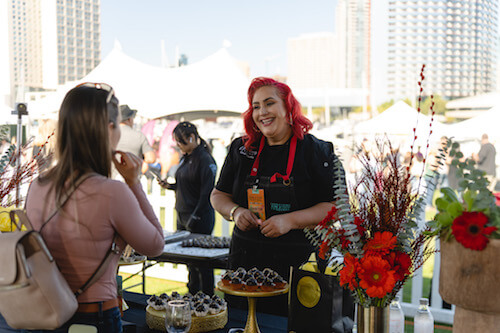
474 128
478 102
400 119
216 84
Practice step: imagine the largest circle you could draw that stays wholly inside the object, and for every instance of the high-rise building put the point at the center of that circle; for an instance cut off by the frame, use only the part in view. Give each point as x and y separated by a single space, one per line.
353 29
51 41
311 61
456 40
334 60
498 68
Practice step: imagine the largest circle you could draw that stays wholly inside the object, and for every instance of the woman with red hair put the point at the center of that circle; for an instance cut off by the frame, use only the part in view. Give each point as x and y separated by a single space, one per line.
276 181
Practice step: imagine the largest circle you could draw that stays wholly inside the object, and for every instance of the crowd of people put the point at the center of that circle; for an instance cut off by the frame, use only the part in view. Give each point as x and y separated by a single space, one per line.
276 180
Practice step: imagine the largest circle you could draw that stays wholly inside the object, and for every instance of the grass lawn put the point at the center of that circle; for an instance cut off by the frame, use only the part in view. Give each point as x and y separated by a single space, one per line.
154 286
438 328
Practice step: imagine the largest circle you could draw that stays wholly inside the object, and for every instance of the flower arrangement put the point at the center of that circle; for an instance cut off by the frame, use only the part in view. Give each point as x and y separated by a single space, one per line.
13 174
471 215
374 225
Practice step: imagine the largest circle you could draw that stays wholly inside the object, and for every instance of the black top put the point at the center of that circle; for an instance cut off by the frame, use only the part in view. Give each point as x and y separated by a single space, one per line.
195 180
313 171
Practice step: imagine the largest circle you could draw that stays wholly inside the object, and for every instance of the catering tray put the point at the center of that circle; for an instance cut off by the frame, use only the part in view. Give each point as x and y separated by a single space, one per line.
173 236
194 252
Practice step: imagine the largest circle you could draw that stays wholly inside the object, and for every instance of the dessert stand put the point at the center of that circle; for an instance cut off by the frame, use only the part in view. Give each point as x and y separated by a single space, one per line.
251 325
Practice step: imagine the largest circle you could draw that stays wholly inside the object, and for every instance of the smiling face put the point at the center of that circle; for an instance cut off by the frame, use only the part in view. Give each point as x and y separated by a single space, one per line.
270 115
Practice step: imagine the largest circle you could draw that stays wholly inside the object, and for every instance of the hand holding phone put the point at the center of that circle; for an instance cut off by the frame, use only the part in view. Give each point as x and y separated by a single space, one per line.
163 182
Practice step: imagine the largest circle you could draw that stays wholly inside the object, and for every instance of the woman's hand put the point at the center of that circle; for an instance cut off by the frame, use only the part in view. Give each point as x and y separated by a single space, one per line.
276 226
165 184
245 219
128 165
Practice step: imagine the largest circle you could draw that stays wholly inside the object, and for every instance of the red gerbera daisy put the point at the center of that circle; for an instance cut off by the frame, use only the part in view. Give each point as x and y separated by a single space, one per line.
381 242
348 273
469 230
400 263
376 276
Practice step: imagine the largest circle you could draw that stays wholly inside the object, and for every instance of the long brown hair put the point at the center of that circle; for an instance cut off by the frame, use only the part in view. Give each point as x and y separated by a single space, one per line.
82 144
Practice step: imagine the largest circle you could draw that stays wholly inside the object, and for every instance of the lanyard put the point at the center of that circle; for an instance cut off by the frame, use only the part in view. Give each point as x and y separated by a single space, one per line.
289 166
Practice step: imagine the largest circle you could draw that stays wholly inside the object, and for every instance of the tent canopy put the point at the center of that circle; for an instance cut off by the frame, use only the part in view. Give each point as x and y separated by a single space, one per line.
484 101
215 83
474 128
400 119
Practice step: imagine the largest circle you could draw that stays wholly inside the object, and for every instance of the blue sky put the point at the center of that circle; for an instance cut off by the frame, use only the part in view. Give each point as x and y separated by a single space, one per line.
257 29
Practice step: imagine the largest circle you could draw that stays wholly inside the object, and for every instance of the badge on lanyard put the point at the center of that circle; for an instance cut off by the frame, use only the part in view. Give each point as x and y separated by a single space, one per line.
256 202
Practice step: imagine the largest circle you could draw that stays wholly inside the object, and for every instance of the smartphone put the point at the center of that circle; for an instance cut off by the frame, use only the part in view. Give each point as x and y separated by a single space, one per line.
155 173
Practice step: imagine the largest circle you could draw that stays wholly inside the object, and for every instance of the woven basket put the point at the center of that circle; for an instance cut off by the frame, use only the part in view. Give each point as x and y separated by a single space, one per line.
470 280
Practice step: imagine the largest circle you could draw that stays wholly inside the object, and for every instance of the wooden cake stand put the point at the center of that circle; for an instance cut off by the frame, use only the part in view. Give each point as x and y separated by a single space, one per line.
251 325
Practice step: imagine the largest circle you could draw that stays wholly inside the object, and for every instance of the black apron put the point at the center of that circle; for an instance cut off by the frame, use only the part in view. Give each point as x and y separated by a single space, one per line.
253 249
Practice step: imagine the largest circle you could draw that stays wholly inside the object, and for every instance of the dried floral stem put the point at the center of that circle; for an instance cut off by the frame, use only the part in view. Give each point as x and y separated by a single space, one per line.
15 173
375 225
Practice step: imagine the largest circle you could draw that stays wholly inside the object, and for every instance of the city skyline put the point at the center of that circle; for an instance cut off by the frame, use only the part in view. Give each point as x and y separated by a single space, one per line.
456 40
49 43
258 34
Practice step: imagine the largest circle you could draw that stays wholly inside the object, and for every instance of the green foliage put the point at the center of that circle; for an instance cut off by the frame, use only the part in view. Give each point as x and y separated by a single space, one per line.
6 157
439 104
359 109
425 104
473 195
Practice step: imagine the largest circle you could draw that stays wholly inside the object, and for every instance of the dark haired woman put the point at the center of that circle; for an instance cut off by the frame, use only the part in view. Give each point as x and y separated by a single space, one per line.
276 181
99 210
194 180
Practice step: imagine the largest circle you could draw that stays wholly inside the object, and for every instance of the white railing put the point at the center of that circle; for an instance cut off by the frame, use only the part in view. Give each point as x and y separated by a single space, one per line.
163 205
440 314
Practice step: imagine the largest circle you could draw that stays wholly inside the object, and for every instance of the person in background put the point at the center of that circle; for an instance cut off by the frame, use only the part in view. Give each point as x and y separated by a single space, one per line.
44 144
153 168
132 141
194 180
486 161
99 211
276 181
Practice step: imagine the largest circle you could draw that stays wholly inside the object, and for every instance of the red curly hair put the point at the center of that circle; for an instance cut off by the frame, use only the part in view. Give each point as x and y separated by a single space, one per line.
300 124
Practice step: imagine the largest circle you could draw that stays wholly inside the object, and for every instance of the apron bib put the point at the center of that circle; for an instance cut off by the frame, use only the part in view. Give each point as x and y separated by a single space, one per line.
251 248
